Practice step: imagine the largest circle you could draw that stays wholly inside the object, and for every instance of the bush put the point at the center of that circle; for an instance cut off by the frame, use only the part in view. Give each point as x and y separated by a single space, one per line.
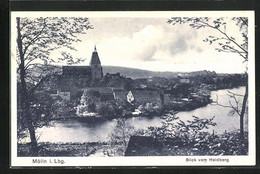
193 140
91 106
102 109
60 108
107 109
90 95
120 137
175 128
88 102
150 108
80 109
41 107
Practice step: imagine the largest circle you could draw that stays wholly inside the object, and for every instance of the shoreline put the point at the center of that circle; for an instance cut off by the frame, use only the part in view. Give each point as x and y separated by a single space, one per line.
188 106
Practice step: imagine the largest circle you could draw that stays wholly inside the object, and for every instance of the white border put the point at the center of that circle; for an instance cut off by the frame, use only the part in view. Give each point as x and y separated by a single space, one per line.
250 159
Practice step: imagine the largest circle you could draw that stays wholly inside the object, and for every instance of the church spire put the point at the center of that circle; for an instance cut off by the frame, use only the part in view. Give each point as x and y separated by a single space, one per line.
95 58
96 68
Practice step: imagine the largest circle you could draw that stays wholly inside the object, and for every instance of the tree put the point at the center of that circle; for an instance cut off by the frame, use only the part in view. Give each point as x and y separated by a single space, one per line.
89 99
36 39
225 43
119 138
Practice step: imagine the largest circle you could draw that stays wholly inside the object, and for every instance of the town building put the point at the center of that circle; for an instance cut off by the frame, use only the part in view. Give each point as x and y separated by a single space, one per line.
95 65
75 79
120 96
185 81
94 70
106 93
143 96
125 96
63 95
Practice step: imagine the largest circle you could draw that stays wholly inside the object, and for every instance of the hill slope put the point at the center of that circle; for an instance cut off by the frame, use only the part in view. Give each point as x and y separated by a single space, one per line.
136 73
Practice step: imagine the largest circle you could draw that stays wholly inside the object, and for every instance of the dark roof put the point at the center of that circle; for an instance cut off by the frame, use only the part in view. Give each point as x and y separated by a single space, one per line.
106 93
76 70
142 146
138 94
142 94
149 146
103 90
94 59
107 97
120 95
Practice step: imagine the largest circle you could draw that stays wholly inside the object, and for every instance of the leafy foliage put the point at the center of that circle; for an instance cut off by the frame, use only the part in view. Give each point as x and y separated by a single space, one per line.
175 128
60 108
43 108
88 102
180 138
90 95
107 109
40 36
120 137
148 108
36 39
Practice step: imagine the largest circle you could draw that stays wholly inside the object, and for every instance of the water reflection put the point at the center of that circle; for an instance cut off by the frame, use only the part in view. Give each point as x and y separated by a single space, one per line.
224 119
76 131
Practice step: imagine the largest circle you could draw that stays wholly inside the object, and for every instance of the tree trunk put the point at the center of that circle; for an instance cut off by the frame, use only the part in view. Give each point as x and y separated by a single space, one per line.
243 113
25 102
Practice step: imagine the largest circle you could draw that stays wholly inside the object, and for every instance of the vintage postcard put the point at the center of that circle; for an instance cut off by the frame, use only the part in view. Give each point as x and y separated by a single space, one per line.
132 88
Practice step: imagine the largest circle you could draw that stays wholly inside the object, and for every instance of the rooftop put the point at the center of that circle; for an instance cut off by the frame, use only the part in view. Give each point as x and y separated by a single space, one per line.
103 90
76 70
94 58
145 94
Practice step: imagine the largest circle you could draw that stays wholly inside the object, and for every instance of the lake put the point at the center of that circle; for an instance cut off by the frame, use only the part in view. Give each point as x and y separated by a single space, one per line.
74 130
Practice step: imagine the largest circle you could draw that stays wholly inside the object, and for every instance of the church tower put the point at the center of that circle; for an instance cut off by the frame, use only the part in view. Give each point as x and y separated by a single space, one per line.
96 68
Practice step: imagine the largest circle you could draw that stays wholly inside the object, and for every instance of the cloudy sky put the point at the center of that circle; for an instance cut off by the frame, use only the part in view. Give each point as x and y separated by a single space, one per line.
152 44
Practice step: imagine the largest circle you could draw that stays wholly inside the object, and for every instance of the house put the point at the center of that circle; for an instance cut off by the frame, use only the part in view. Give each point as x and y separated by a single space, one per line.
143 96
76 70
149 146
166 99
106 93
65 96
185 81
143 146
94 70
95 64
120 96
132 96
75 79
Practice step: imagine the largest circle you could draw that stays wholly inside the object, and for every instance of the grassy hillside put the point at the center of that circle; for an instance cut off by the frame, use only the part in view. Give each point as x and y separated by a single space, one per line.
136 73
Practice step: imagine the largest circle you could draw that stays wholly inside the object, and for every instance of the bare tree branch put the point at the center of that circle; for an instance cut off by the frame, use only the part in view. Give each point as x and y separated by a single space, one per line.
36 37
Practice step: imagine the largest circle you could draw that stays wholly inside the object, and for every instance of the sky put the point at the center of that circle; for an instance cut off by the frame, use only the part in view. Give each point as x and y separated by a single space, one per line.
152 44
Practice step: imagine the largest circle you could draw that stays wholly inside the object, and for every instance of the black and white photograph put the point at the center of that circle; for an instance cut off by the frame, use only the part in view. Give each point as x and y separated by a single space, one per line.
132 88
